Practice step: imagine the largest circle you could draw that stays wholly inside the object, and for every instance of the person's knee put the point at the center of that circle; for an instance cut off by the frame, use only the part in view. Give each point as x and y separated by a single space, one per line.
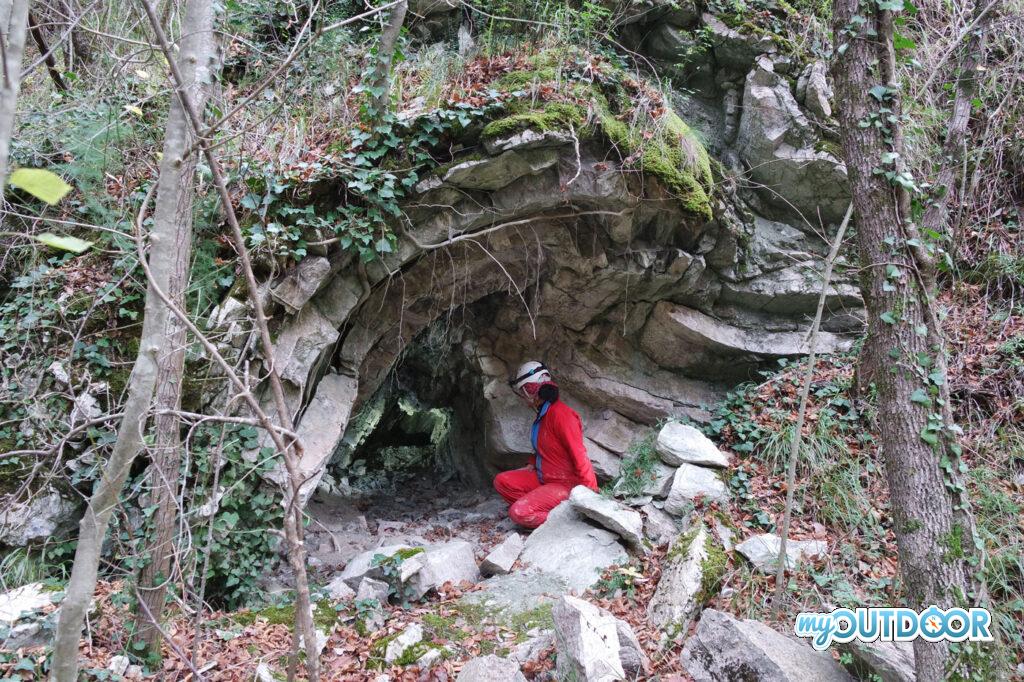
526 515
501 482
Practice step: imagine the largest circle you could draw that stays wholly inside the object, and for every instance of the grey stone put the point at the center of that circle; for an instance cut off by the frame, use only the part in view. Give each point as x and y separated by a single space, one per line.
302 343
659 526
889 661
526 139
497 172
501 559
658 484
118 665
569 548
681 443
724 648
691 482
362 565
732 48
763 551
20 610
813 90
622 521
46 515
777 143
321 429
675 601
517 592
412 635
370 588
590 648
670 43
431 658
533 648
606 464
453 562
298 286
338 590
490 669
682 338
613 432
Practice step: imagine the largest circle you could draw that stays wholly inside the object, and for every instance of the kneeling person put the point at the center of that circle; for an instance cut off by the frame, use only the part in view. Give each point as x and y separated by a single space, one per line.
560 460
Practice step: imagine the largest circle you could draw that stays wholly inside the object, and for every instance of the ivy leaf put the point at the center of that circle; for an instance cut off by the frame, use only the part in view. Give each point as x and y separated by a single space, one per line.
890 5
920 396
72 244
879 92
887 317
901 42
383 245
929 437
937 378
40 183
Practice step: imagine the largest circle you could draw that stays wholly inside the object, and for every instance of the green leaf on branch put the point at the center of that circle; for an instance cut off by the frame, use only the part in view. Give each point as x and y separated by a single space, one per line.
72 244
40 183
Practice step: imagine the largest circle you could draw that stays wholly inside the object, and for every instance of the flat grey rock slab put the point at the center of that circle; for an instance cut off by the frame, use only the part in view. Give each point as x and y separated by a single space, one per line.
490 669
501 559
763 551
726 648
691 482
684 444
619 519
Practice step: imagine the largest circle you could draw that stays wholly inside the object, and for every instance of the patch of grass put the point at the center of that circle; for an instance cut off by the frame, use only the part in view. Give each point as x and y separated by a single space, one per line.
638 468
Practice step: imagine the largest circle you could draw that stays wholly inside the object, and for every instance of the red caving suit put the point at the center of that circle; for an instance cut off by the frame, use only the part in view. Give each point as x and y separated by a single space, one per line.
560 463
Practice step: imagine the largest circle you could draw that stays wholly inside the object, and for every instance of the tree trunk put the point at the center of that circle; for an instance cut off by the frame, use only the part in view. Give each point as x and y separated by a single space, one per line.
46 53
163 258
13 24
903 353
173 206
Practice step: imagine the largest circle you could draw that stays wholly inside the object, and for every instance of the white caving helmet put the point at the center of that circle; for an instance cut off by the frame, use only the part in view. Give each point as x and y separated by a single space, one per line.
532 372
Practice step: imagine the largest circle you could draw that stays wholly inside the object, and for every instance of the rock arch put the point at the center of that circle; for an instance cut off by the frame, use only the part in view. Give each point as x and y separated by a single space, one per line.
644 311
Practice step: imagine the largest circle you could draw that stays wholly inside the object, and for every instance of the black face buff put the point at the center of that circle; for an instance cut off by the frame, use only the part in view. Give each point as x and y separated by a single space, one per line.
540 368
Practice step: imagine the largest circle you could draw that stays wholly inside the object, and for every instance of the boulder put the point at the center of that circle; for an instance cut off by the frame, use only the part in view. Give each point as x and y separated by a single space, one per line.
677 599
656 483
409 637
362 565
691 482
118 665
533 648
608 513
606 464
490 669
593 645
453 562
763 551
497 172
569 548
298 286
681 443
500 560
46 515
725 648
885 661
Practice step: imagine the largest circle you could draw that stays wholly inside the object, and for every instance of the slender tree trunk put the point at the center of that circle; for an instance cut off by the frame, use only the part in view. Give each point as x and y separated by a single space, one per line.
174 206
904 354
47 55
291 451
165 243
13 25
385 53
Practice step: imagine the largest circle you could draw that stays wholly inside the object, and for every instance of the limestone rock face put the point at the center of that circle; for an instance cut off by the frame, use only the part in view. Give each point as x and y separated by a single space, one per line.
571 549
724 648
622 521
495 173
593 645
681 443
776 141
763 551
298 286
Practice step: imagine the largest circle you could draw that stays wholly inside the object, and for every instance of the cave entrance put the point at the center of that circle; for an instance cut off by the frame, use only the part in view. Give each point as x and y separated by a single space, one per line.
412 466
